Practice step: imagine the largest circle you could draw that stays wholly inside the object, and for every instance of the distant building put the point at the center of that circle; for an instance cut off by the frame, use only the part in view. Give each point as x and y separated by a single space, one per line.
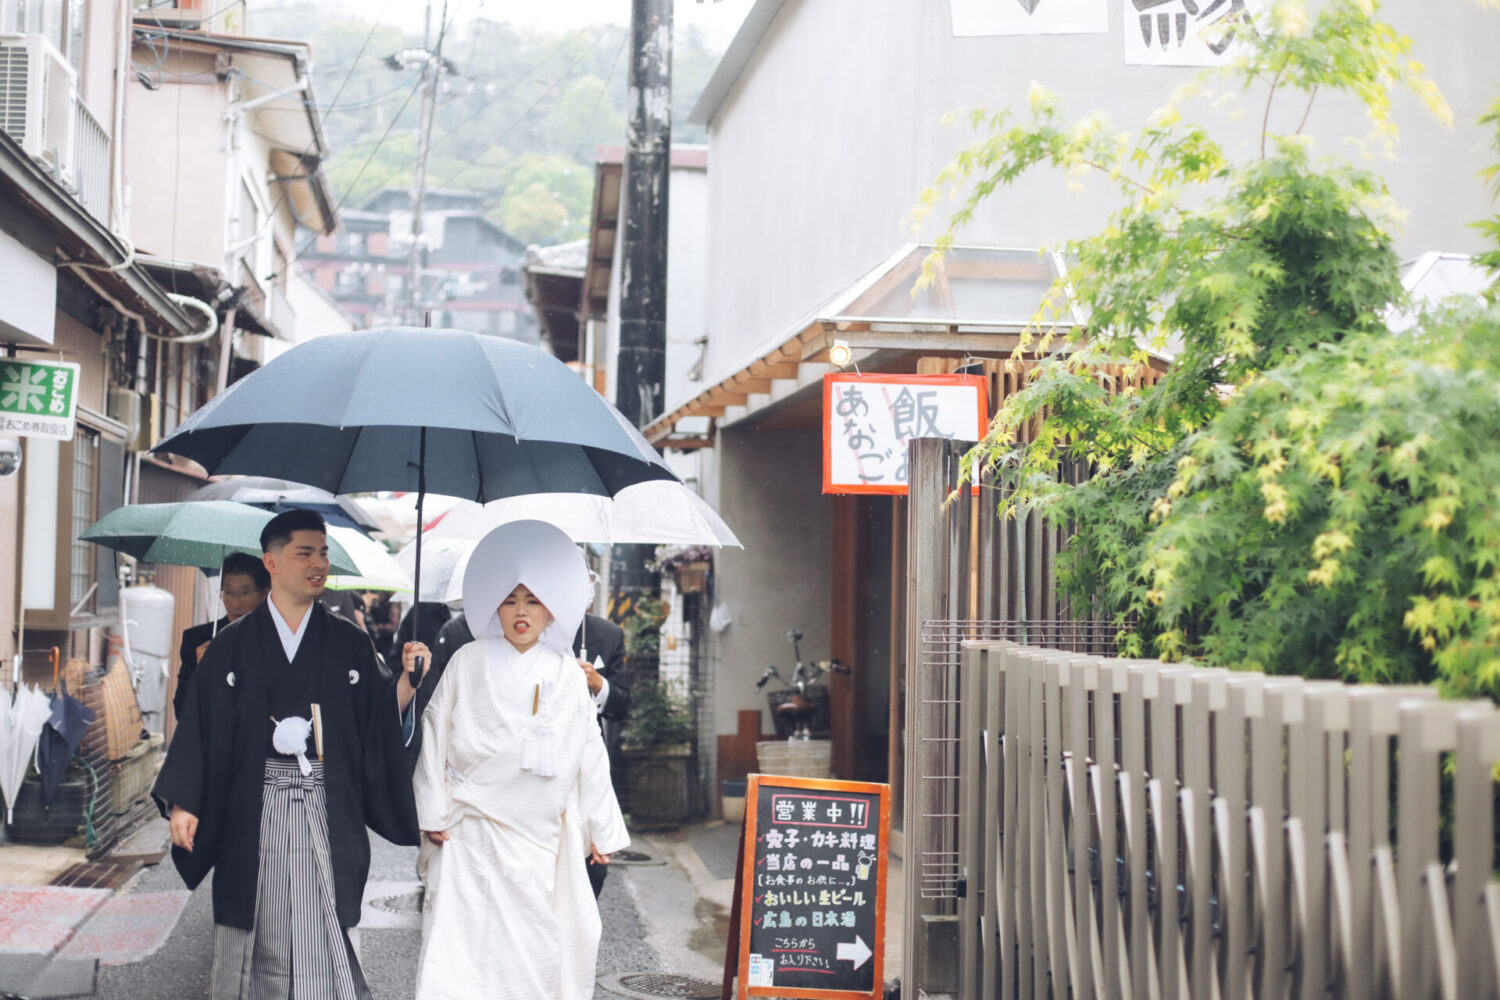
471 276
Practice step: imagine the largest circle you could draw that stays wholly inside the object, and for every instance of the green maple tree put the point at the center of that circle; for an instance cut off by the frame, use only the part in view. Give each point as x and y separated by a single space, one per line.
1303 490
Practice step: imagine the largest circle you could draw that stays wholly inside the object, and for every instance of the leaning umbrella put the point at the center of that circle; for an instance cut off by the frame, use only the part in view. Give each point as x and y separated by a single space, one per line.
64 731
407 408
21 723
191 534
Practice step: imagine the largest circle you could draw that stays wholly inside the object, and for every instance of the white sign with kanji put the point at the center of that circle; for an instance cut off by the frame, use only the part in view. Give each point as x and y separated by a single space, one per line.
868 420
1029 17
38 398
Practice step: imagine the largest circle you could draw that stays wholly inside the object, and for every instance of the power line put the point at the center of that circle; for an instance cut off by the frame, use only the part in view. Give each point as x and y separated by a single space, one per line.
453 130
523 116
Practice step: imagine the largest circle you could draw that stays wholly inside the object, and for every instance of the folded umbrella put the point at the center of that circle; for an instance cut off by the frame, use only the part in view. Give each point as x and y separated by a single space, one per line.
59 740
21 723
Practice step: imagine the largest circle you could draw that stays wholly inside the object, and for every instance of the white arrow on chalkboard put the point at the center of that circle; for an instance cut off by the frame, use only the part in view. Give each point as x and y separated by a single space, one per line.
855 951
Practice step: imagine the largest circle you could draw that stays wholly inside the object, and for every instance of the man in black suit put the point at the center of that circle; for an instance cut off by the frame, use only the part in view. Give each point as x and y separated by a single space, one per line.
600 648
243 584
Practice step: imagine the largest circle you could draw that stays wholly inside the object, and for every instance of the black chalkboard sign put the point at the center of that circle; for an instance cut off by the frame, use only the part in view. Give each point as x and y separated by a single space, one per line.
810 905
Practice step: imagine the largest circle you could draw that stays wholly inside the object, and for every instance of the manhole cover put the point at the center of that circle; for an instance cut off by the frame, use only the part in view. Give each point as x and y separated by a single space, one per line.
406 902
628 857
650 985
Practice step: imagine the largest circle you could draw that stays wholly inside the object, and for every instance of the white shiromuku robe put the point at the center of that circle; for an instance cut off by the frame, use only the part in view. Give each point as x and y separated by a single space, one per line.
509 912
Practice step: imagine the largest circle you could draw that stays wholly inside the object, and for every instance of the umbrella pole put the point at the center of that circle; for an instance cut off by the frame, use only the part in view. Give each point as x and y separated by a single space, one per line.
416 586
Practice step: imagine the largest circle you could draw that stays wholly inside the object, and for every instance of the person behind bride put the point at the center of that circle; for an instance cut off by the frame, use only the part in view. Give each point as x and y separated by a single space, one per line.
512 785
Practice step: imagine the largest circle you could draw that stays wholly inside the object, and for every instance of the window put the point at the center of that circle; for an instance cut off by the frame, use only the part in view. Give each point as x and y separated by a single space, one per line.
85 508
62 21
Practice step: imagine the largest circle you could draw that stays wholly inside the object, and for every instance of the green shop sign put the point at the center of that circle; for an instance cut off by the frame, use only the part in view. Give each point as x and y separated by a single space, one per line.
38 398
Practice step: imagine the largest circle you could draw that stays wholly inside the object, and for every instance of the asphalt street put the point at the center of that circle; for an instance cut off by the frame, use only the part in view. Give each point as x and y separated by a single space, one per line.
390 934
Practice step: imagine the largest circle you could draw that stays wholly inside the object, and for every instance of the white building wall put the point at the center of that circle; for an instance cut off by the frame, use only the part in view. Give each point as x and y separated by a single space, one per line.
820 151
769 485
833 129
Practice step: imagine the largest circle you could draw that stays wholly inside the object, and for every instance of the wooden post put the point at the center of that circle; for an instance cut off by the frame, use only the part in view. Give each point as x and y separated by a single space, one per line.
931 472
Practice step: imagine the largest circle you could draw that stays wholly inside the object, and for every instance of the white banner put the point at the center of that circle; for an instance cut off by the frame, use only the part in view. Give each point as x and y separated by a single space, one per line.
1186 32
1030 17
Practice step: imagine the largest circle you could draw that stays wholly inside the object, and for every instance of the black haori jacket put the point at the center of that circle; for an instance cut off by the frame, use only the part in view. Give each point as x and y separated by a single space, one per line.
215 766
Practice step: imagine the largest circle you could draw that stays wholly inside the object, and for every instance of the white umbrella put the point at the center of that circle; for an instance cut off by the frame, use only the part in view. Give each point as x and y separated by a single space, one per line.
378 569
658 513
442 561
21 725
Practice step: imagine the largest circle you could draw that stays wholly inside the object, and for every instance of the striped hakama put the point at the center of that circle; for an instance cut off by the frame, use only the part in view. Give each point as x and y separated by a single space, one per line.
297 950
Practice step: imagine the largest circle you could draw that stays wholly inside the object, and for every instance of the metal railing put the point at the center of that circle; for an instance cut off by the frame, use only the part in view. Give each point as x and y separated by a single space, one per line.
91 162
1138 829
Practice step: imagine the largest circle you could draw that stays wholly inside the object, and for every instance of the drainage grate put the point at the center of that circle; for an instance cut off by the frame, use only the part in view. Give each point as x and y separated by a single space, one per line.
96 875
406 902
651 985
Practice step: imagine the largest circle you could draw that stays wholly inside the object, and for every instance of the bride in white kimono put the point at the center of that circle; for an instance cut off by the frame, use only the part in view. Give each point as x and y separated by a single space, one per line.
512 786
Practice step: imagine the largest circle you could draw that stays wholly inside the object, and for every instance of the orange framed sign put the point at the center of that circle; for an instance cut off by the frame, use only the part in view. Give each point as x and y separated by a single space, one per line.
868 420
811 899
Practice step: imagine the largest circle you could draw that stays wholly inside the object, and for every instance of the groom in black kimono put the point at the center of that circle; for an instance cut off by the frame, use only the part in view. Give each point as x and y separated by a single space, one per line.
292 742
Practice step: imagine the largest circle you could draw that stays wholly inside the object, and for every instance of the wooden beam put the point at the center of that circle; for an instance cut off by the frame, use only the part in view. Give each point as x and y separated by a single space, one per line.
784 370
726 397
745 382
988 343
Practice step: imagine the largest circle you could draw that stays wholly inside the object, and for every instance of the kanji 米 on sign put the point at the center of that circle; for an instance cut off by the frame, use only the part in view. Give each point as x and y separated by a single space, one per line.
38 398
868 420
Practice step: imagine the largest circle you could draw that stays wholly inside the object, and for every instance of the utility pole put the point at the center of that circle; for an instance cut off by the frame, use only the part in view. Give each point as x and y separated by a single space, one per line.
431 74
640 386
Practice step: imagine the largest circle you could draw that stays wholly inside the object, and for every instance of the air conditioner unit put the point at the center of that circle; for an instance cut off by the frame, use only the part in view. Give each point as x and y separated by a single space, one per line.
38 91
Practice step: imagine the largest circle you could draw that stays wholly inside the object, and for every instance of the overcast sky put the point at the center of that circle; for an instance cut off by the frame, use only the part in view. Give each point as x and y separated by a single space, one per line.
718 19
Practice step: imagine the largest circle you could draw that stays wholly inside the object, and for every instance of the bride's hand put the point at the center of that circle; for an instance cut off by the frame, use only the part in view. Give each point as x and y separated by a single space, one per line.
596 857
438 837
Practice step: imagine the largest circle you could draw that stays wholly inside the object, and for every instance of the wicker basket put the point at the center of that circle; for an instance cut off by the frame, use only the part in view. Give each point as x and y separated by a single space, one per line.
122 713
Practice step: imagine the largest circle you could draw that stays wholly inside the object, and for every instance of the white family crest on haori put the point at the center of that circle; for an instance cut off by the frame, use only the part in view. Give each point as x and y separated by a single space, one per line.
543 558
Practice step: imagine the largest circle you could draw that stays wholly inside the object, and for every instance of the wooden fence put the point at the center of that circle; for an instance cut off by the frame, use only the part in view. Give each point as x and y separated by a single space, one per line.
1136 829
1077 825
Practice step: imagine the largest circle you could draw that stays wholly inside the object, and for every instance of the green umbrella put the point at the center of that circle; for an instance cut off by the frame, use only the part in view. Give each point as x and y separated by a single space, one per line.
199 533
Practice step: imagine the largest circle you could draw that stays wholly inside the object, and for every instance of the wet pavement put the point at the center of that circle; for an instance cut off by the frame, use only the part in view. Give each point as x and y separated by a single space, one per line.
390 935
665 913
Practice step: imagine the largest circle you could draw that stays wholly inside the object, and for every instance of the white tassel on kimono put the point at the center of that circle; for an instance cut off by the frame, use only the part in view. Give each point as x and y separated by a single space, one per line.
539 743
290 737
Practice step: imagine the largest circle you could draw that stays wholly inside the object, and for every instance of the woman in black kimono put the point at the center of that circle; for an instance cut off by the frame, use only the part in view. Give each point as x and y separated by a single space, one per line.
292 742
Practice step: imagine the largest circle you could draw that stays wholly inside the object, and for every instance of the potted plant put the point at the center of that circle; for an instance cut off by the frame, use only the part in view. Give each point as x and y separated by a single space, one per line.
657 749
689 566
643 629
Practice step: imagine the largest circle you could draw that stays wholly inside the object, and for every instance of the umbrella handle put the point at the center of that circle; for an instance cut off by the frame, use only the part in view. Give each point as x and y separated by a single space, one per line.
416 675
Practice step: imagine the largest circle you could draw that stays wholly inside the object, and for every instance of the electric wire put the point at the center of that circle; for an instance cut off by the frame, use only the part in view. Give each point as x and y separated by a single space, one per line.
454 129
